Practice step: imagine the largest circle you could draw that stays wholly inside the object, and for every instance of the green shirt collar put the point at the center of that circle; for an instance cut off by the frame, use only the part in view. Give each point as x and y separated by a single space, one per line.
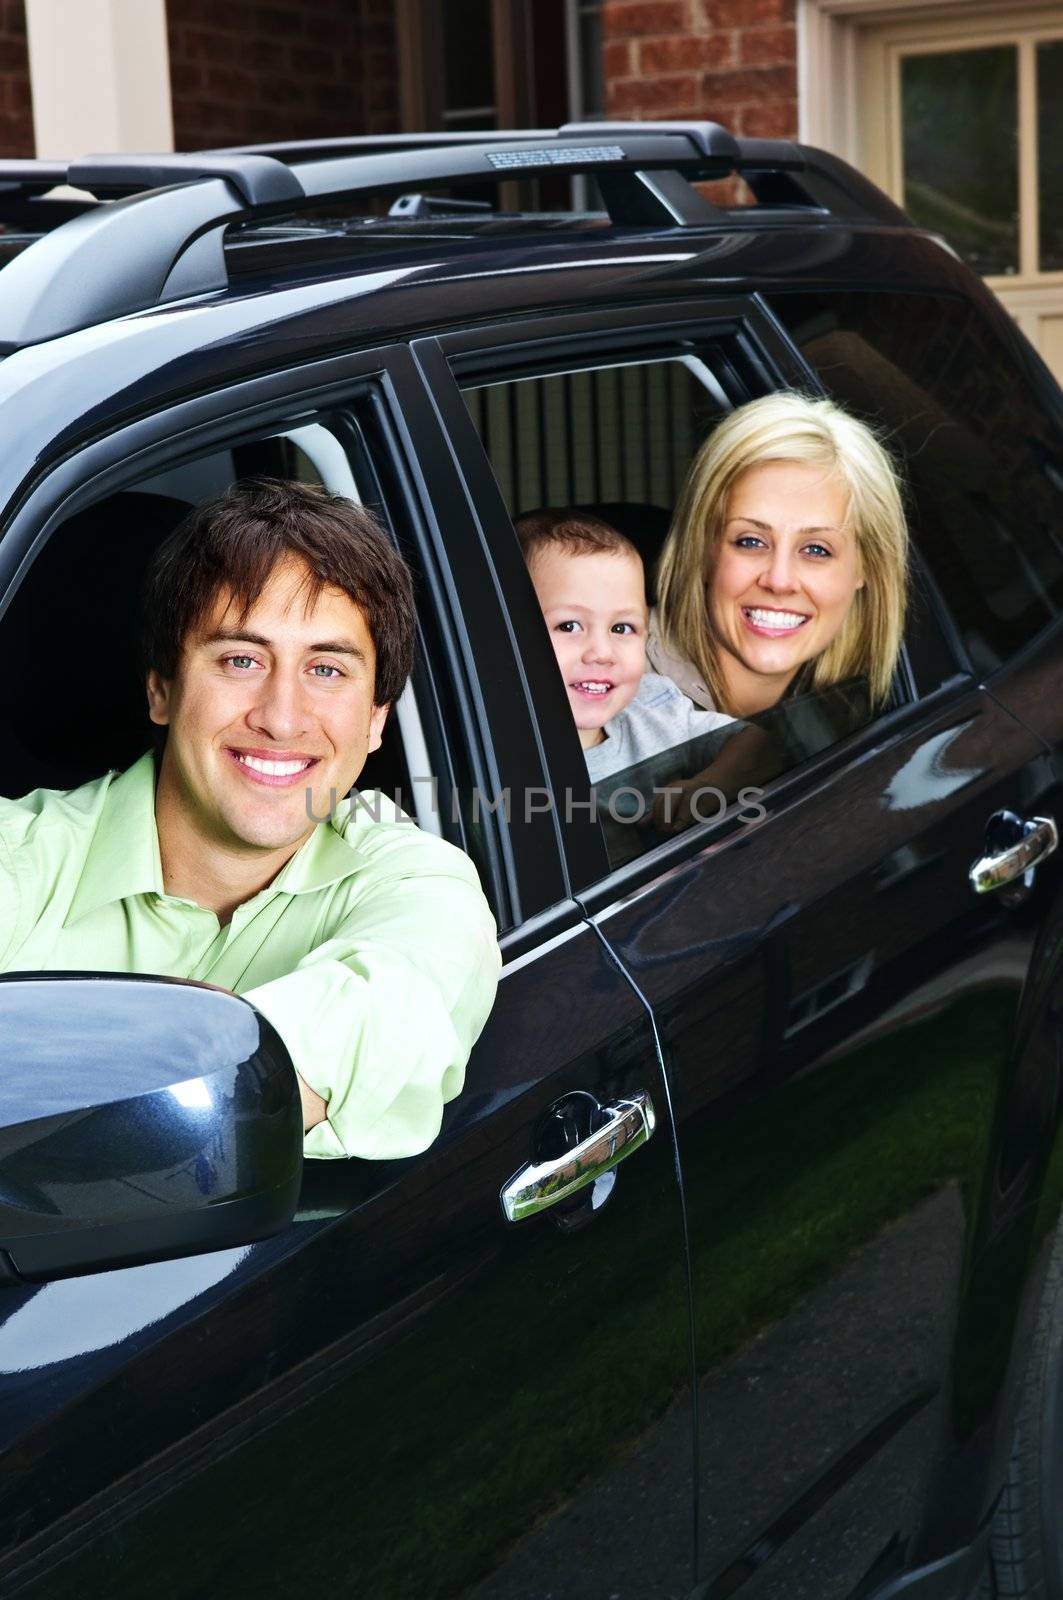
123 859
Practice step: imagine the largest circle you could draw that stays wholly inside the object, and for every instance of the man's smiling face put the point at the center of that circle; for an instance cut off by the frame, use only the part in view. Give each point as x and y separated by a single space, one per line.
269 714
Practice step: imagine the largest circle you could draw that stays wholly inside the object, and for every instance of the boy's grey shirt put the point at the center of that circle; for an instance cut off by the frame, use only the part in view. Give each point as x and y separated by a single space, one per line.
658 718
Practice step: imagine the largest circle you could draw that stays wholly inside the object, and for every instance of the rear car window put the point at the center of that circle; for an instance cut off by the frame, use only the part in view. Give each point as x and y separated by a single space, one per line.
616 441
982 456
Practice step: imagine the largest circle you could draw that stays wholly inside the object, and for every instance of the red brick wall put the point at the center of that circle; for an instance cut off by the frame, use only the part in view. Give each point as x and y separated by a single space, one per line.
16 111
729 61
255 71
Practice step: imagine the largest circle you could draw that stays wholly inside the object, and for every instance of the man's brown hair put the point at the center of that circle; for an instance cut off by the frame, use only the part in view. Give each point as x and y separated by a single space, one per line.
233 544
571 529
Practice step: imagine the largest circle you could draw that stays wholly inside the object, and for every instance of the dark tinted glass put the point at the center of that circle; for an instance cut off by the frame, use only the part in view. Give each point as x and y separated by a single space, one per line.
959 122
983 459
592 80
618 441
468 66
1050 152
701 780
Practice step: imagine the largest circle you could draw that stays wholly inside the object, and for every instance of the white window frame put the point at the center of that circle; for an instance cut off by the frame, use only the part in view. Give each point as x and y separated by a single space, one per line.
836 103
828 83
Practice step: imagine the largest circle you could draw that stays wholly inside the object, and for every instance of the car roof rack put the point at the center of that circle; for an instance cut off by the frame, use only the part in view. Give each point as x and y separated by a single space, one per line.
31 177
292 151
160 236
779 171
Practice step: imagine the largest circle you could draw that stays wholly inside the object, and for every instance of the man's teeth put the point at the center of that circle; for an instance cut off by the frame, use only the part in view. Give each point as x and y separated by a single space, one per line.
775 619
273 769
594 687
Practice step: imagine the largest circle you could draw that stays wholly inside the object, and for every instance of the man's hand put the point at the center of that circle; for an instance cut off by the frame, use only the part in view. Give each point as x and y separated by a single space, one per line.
315 1109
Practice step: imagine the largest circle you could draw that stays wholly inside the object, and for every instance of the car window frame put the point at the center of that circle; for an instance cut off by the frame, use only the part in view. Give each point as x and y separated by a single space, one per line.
247 409
566 341
538 347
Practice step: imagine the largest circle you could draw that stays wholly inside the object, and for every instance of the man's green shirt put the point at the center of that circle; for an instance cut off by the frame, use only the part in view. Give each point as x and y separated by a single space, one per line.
372 952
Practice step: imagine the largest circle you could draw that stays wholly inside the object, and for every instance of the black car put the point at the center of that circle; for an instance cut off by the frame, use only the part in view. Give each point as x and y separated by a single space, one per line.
736 1267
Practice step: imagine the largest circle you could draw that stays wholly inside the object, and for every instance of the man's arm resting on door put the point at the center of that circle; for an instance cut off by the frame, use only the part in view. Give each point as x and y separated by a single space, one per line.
380 1020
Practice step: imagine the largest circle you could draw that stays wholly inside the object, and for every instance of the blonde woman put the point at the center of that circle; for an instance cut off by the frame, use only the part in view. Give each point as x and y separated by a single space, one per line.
785 567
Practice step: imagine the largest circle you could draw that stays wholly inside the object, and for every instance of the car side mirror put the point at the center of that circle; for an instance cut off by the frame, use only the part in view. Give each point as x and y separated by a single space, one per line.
140 1118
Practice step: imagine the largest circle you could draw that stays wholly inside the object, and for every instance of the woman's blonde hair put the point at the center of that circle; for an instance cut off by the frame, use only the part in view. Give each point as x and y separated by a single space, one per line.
792 427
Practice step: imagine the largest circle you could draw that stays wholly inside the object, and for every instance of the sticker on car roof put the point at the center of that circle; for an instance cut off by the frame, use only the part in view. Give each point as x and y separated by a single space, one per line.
546 157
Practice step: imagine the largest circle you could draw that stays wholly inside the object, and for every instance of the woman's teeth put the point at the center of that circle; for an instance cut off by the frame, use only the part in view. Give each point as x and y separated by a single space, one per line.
779 620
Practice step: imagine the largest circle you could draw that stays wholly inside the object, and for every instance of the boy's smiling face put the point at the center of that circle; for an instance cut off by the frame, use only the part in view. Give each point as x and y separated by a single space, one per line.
594 604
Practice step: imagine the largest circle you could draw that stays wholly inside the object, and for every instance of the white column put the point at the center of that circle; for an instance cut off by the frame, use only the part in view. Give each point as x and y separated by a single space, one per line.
100 76
827 99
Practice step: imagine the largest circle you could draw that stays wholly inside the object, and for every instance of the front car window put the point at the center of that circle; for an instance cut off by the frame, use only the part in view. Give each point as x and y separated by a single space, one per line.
81 710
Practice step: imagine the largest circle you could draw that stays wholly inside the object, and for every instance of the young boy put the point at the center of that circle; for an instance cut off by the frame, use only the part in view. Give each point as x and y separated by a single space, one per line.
592 589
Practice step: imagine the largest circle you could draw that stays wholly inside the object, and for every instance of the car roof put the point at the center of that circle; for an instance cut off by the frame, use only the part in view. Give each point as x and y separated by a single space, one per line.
113 307
163 229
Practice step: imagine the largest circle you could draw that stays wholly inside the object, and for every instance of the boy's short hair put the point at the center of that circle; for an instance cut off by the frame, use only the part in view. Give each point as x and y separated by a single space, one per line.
567 527
234 542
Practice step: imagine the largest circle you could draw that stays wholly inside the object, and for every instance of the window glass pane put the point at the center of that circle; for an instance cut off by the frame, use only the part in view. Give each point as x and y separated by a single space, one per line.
698 781
959 120
85 584
983 459
1050 152
468 65
592 81
617 442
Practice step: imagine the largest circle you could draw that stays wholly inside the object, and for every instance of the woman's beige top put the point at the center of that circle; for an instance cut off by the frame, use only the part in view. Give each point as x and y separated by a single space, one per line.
682 673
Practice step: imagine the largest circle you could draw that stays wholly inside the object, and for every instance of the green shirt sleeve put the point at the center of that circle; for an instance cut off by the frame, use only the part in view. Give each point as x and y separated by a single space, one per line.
381 1018
11 908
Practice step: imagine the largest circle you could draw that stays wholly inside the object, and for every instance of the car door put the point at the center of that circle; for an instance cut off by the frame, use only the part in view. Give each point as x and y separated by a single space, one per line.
388 1396
978 422
837 1009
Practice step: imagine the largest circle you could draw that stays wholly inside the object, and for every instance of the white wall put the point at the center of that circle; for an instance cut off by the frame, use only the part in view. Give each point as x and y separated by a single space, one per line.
100 76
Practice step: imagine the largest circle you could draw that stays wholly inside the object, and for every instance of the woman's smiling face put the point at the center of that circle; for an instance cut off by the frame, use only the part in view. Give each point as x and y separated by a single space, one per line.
782 578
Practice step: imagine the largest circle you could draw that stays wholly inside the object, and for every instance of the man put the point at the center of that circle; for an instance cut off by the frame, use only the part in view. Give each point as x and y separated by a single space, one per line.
278 630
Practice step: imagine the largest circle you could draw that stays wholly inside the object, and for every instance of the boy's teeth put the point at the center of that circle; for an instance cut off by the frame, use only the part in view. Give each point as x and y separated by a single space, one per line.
775 619
274 769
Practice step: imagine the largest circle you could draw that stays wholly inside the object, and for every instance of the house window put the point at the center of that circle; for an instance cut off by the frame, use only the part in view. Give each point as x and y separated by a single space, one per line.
960 126
586 78
468 101
959 149
468 65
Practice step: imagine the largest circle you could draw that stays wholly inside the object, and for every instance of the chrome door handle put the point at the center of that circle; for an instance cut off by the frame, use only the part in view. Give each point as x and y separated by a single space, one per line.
540 1185
1040 837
